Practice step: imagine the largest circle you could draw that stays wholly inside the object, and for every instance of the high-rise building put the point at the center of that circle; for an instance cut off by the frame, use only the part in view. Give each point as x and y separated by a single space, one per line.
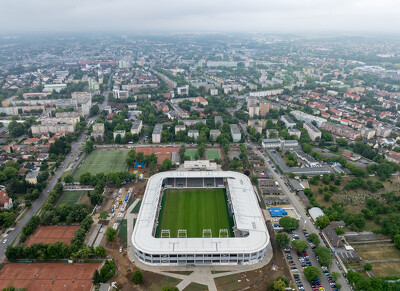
264 108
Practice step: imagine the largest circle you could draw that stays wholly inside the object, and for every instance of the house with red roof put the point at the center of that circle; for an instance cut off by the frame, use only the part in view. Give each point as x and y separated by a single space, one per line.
335 118
352 96
5 201
325 115
201 100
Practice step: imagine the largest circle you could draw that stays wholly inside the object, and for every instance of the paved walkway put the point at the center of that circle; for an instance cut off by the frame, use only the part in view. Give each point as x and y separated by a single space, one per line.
200 274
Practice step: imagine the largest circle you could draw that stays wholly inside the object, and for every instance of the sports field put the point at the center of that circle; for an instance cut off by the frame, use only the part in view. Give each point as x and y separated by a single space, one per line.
191 153
49 234
70 197
194 210
103 161
213 154
48 276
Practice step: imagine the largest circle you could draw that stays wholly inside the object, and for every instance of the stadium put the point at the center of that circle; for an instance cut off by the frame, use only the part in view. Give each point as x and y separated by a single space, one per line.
200 218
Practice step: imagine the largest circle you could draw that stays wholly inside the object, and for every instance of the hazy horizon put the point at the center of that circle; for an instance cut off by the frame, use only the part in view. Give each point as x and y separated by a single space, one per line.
178 16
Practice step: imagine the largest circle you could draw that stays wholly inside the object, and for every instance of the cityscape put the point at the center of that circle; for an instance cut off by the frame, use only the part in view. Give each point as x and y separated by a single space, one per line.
199 159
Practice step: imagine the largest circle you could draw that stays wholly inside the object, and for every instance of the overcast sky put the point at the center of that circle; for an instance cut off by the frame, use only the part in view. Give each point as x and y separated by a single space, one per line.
200 15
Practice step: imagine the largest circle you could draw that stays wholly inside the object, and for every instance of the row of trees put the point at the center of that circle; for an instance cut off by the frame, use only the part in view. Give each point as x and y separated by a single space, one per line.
106 272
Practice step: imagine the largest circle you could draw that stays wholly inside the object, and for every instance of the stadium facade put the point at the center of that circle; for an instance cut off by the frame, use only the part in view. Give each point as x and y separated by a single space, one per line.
248 246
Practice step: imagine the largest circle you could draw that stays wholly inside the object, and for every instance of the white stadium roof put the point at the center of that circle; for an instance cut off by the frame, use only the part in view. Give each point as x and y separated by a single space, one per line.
247 213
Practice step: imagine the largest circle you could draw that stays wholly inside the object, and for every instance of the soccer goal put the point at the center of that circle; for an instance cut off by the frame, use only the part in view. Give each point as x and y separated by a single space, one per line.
182 233
165 233
207 233
223 232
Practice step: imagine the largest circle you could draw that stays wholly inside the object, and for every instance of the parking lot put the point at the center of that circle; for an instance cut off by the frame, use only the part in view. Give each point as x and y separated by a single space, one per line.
301 260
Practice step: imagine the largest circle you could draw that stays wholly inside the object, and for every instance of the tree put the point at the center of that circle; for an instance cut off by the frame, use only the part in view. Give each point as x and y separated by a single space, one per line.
324 255
137 277
279 285
94 110
103 215
282 240
367 267
312 273
118 138
89 146
396 241
85 178
314 238
68 179
299 245
97 279
292 175
288 223
322 221
110 234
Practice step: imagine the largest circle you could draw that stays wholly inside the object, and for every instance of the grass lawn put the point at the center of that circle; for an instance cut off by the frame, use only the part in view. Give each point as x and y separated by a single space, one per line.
165 281
191 153
196 287
386 269
213 154
70 197
103 161
230 282
123 231
194 210
137 207
378 253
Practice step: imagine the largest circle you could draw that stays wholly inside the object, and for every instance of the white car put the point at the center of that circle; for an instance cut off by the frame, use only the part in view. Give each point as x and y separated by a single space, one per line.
4 241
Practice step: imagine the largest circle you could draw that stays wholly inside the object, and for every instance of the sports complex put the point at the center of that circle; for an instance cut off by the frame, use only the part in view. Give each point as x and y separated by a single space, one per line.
200 218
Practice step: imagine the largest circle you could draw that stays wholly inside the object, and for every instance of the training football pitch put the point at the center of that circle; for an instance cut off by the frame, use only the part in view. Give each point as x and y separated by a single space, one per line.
103 161
194 210
213 154
70 197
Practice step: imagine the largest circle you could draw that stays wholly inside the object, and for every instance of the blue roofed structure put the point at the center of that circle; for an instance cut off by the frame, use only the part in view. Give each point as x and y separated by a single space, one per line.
277 211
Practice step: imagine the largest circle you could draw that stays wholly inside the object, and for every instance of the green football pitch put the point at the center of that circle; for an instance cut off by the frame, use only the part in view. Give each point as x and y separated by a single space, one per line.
70 197
103 161
194 210
213 154
190 153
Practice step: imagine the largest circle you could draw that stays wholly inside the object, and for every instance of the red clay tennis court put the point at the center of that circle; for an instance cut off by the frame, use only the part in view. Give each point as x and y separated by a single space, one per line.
48 276
48 234
161 152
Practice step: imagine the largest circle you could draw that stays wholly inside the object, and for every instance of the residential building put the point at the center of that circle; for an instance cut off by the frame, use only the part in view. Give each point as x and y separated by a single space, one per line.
179 128
312 131
308 117
184 90
31 177
264 108
119 132
272 133
156 136
266 93
368 133
341 130
213 92
218 119
193 134
383 131
201 100
254 111
235 132
229 64
120 94
289 123
214 133
5 201
295 132
54 87
51 128
136 126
